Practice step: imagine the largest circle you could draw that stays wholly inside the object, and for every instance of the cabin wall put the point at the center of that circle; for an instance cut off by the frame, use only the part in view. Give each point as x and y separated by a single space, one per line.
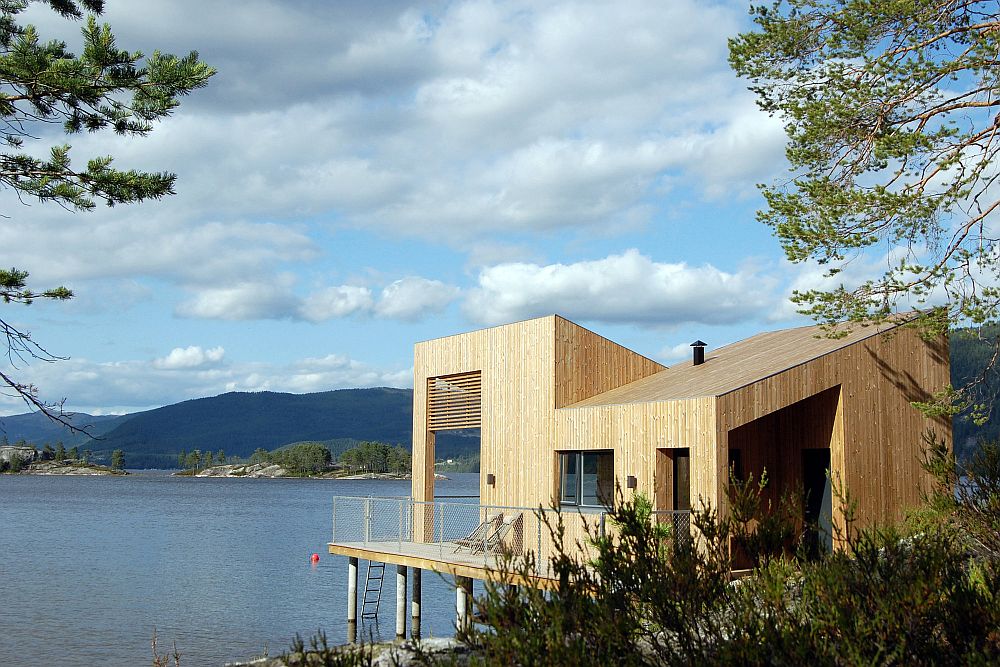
517 363
636 431
587 364
875 435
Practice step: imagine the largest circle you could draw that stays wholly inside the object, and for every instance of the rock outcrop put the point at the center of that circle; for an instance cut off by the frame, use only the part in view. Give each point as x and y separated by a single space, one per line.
244 470
69 467
23 454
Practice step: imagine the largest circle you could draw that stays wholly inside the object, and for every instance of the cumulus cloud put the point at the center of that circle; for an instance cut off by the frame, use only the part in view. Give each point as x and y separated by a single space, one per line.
246 301
414 297
336 301
471 117
628 288
193 372
673 353
193 356
407 299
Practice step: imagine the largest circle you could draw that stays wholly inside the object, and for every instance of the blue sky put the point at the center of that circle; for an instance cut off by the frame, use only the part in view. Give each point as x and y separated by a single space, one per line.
362 176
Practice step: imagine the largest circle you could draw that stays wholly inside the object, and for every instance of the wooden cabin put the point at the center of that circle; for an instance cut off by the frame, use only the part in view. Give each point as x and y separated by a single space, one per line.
568 416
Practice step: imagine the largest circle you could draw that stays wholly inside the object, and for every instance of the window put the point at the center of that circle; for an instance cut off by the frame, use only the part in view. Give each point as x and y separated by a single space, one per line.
586 478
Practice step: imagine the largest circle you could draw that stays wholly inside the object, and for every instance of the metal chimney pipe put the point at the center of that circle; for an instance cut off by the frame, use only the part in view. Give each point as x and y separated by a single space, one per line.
699 352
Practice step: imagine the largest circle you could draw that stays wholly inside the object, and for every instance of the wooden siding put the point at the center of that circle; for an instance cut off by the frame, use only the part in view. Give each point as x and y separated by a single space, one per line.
873 432
454 401
863 386
636 431
876 434
517 362
774 442
588 364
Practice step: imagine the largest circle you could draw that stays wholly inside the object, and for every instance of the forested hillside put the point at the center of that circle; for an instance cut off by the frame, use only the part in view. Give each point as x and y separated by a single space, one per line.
240 423
969 356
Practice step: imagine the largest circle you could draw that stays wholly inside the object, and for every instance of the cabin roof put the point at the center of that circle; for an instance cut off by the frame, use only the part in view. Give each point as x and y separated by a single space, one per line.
734 366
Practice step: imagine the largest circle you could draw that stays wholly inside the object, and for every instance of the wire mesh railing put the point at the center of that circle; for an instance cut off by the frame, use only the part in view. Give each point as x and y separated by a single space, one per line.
476 534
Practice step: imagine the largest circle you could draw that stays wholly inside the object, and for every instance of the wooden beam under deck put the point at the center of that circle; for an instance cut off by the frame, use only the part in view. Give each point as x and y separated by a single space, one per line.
428 556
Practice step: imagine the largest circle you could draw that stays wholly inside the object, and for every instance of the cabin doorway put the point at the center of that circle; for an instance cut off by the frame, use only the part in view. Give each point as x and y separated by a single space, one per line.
672 483
817 501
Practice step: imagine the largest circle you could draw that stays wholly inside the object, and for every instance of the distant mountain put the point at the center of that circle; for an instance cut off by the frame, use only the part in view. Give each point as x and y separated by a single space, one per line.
37 429
240 422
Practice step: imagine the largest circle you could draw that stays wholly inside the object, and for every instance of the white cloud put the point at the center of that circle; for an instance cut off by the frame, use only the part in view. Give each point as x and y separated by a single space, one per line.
629 288
408 299
127 386
338 301
413 297
193 356
464 117
674 353
245 301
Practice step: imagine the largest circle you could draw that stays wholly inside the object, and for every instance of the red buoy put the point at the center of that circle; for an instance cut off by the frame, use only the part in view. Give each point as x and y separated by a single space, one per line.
315 558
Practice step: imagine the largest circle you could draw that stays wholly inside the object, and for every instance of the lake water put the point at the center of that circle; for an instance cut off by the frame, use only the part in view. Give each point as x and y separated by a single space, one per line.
90 565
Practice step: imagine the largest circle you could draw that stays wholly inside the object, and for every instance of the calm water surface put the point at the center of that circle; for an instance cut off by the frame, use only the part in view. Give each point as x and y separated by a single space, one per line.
90 565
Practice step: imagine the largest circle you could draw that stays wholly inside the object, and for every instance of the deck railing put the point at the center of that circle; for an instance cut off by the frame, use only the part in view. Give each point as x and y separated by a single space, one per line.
470 532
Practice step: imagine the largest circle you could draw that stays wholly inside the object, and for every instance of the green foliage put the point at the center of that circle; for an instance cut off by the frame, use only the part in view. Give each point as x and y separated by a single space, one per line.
468 463
118 460
321 654
890 110
648 599
305 459
73 453
966 497
377 457
101 88
60 452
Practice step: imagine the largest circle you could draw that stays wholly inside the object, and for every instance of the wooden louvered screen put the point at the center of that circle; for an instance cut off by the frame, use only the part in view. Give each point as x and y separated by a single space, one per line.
453 401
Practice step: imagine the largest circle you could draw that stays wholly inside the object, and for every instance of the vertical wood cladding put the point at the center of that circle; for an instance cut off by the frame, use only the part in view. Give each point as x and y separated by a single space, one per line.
854 400
516 363
587 364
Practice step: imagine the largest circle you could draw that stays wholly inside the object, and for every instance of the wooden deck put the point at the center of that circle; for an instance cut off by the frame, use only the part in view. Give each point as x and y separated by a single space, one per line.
438 557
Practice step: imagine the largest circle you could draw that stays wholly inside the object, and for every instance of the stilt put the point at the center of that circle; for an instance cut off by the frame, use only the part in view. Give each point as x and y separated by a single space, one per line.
352 599
463 603
400 602
415 605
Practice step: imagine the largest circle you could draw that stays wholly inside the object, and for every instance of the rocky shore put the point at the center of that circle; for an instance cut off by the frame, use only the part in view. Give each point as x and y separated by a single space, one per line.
20 460
254 470
70 467
271 470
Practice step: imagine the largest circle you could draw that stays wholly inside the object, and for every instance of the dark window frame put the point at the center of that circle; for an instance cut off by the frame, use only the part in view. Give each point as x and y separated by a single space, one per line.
576 498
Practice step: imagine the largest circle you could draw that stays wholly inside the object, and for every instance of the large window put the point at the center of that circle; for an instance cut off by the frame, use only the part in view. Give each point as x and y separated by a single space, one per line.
587 478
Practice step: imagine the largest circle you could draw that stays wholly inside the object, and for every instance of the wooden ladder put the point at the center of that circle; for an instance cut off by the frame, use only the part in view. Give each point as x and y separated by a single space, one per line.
373 590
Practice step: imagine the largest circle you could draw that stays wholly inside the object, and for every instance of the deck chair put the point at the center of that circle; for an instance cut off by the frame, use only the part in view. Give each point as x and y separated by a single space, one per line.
495 539
475 540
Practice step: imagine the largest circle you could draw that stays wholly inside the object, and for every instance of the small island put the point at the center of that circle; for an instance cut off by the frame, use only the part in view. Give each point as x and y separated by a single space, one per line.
23 459
368 460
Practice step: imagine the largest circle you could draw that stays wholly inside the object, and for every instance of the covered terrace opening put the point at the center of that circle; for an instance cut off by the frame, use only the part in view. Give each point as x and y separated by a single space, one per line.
798 447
